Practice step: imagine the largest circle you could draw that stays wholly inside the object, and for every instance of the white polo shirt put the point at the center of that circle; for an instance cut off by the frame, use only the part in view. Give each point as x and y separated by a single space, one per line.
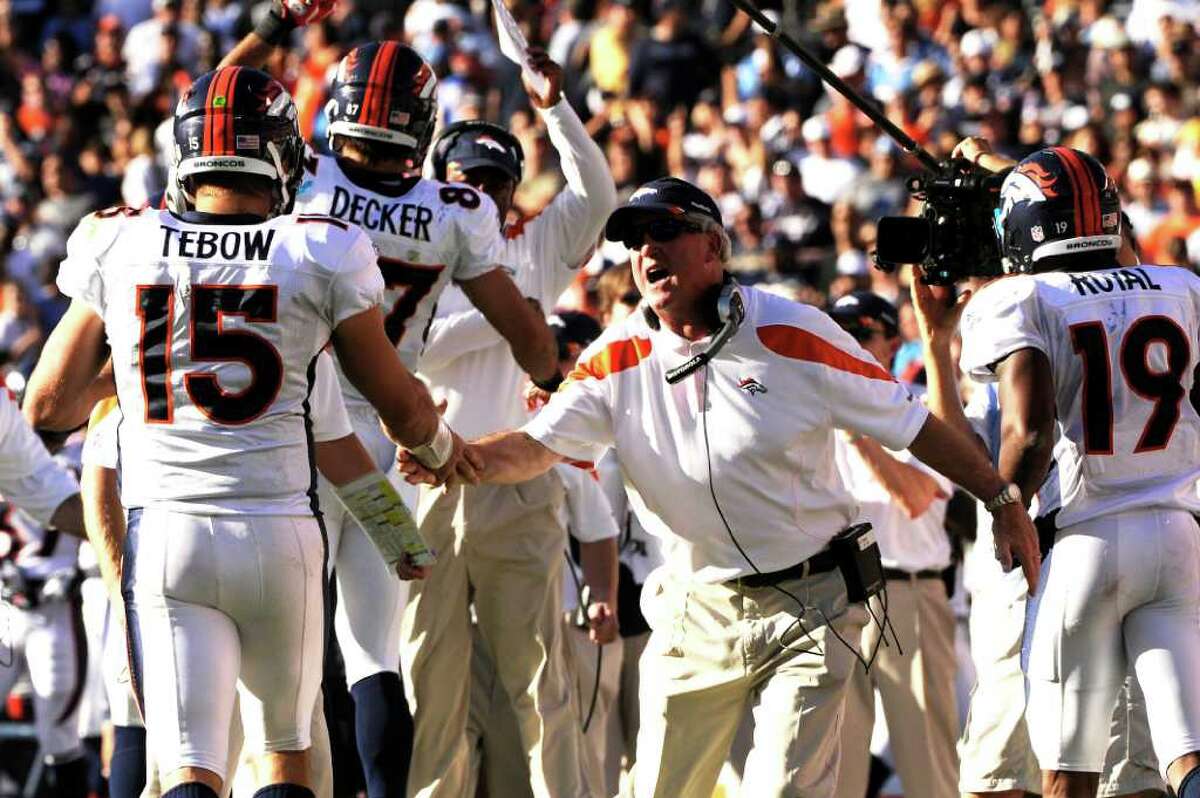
466 362
910 544
785 380
587 517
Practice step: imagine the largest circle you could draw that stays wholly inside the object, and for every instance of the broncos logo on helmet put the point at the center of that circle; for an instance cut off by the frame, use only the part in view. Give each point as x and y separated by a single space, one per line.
1058 201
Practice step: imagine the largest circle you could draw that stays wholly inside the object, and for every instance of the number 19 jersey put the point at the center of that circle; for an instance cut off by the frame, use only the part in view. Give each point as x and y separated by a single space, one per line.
215 323
1123 346
426 232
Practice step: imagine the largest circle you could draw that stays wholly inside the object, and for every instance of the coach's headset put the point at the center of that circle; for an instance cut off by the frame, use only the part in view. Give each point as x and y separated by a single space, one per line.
727 311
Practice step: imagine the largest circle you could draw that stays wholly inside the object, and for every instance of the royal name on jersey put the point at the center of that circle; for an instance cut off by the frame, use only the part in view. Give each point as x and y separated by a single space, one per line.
214 329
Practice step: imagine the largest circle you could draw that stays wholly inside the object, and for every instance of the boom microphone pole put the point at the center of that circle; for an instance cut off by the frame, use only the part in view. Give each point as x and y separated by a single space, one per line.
775 32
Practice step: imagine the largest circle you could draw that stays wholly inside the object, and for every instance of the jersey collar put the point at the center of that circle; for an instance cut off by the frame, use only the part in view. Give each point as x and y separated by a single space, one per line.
387 186
202 217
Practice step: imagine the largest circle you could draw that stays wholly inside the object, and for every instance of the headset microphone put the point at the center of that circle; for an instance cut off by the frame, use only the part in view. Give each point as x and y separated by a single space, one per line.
731 311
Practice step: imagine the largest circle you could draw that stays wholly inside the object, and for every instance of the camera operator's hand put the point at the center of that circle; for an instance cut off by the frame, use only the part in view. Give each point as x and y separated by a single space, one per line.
937 312
978 151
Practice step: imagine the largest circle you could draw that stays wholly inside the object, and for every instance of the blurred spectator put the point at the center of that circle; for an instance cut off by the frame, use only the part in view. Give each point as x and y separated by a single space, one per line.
881 191
65 201
145 53
797 225
611 48
673 65
891 66
1144 207
143 176
1181 220
20 333
826 177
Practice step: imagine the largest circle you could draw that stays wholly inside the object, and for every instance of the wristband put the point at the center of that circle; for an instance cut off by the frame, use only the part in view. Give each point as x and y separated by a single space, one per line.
549 385
273 28
436 453
377 507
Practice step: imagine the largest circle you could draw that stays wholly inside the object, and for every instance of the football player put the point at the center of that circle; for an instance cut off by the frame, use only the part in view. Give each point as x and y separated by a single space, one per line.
215 316
1101 358
381 113
40 606
340 457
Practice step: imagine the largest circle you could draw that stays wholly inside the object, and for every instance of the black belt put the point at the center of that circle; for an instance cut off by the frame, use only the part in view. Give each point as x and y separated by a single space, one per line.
819 563
1047 528
895 574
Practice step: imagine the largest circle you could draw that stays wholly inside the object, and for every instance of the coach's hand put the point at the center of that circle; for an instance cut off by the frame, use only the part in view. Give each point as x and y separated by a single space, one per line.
1016 537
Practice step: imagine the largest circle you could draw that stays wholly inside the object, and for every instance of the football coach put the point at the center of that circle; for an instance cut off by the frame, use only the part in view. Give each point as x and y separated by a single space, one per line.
721 403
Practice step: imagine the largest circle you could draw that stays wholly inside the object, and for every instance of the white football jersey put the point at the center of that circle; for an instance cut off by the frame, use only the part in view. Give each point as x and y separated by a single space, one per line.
38 551
1122 344
29 477
426 233
215 324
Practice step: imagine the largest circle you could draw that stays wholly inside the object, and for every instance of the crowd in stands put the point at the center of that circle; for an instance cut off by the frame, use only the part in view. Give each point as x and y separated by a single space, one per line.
686 87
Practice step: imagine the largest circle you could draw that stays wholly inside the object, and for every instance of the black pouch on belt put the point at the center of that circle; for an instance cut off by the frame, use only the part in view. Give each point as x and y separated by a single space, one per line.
857 556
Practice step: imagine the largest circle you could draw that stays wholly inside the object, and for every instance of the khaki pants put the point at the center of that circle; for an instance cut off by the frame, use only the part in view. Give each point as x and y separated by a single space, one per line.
624 720
504 543
994 748
916 688
716 649
582 661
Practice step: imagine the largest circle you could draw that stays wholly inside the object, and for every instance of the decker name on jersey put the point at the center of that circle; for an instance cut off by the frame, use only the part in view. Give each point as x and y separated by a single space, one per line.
426 232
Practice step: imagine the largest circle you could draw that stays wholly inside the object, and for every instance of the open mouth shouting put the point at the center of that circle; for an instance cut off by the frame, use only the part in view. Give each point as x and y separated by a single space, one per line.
656 274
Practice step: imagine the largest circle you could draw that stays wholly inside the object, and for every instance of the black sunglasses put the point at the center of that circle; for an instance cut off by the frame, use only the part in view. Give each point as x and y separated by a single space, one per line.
659 230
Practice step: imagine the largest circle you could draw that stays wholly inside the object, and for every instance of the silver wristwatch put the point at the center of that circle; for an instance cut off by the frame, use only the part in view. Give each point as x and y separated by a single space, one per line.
1009 494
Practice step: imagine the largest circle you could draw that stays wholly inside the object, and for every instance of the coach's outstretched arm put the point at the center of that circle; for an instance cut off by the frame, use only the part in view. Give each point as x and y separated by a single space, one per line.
954 455
505 458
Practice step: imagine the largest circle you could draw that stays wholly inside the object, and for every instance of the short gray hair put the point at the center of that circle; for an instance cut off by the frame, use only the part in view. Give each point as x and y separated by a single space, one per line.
708 224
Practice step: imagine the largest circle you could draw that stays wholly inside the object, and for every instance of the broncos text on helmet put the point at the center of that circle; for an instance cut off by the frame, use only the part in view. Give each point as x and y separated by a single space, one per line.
240 120
1058 201
384 92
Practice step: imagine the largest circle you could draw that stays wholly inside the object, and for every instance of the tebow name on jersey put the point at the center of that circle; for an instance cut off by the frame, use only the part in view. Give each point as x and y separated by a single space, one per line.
372 214
229 245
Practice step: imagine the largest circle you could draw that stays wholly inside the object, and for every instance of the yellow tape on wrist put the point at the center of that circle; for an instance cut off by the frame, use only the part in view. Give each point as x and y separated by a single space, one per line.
373 501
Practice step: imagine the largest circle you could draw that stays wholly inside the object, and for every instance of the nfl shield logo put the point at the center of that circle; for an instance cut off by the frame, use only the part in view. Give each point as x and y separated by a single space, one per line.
1036 233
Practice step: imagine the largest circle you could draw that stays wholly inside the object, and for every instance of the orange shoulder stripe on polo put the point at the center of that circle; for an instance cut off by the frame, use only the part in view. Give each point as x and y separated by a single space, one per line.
617 356
797 344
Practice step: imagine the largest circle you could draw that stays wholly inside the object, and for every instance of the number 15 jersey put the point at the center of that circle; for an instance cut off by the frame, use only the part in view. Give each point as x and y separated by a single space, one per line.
215 323
1123 346
426 232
